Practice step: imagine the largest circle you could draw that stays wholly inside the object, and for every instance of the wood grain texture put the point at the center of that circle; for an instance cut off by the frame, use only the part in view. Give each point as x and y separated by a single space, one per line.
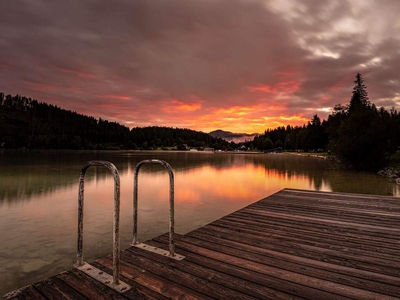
294 244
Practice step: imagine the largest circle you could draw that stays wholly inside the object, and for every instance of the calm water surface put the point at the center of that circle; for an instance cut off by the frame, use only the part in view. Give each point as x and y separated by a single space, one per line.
38 199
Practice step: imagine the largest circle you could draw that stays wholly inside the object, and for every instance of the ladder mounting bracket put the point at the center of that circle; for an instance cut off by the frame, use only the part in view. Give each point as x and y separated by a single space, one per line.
158 251
103 277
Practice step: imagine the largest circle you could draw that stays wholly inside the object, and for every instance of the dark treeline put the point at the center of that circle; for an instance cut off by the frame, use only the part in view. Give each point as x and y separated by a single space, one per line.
27 123
310 137
156 137
359 134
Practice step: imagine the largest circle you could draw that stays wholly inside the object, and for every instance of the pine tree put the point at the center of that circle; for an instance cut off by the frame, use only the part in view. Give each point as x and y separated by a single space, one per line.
360 95
361 138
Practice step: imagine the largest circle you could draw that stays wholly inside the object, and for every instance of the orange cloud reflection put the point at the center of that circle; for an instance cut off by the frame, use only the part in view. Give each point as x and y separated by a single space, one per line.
233 184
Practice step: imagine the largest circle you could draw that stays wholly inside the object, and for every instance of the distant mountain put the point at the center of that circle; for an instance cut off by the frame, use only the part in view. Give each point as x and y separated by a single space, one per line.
232 137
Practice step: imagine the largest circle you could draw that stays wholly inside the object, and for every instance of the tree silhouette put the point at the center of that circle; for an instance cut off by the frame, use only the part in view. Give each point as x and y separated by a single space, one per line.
359 133
360 95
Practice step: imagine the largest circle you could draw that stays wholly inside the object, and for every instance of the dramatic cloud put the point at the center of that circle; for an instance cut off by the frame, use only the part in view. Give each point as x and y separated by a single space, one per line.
238 65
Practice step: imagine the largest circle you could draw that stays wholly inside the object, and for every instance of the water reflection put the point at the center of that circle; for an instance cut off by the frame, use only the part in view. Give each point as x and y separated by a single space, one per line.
26 174
38 199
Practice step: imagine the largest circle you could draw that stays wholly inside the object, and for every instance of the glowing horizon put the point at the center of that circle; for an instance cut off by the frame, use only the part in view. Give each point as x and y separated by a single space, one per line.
235 65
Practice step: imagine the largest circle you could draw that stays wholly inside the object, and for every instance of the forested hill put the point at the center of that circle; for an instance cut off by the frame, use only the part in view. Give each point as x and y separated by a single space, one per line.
359 134
27 123
232 137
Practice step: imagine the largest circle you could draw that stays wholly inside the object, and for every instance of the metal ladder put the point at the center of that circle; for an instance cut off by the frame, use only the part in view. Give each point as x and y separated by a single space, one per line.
171 253
111 281
114 281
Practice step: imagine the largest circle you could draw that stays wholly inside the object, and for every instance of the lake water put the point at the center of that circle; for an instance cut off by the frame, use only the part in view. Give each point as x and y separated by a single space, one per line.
39 196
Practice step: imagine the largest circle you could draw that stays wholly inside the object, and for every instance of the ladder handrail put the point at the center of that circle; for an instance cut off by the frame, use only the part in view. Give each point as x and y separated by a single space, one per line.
116 237
171 201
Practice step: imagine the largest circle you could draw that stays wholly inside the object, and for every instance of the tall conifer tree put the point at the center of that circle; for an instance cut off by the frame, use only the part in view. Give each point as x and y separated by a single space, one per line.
360 95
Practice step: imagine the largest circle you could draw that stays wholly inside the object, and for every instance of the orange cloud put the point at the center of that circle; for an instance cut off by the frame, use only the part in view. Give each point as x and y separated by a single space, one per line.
283 86
239 110
263 88
269 107
277 121
114 97
293 118
325 99
232 119
179 106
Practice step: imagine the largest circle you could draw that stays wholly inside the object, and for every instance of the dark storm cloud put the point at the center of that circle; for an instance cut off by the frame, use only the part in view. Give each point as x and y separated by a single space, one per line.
157 62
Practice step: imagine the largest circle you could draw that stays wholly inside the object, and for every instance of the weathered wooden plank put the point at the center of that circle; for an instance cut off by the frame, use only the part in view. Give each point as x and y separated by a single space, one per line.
338 195
309 228
294 225
327 200
154 282
28 293
54 288
373 264
87 286
163 268
262 265
367 206
275 242
284 250
327 221
278 236
137 291
321 207
214 270
258 252
293 290
297 284
332 213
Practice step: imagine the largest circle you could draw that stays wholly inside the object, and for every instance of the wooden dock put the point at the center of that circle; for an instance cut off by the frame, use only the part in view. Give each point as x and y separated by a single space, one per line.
294 244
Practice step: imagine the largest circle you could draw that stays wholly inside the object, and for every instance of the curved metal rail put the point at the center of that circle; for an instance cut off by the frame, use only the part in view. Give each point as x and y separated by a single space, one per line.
135 243
113 282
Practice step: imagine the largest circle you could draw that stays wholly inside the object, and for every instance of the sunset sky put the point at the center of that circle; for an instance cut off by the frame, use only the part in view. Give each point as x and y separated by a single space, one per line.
236 65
